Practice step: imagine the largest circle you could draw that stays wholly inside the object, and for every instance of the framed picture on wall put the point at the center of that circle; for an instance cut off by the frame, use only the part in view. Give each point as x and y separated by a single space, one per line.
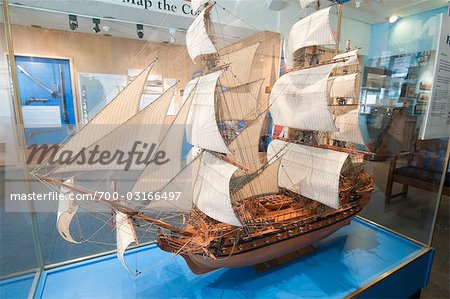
424 97
425 85
46 98
411 91
97 90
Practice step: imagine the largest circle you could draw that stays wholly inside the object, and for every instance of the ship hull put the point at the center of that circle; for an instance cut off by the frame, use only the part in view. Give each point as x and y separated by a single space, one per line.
200 264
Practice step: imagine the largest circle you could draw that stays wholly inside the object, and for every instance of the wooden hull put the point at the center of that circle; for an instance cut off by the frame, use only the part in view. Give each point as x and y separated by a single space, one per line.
199 264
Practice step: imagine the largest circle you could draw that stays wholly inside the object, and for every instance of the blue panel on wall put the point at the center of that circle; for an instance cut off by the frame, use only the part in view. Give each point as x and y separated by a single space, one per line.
46 83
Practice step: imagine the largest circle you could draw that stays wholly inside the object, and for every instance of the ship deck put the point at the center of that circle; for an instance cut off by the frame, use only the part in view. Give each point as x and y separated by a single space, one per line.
343 263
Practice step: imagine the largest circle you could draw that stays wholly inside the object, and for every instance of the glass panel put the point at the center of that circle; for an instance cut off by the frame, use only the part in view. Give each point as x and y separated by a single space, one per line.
400 61
401 78
19 266
70 67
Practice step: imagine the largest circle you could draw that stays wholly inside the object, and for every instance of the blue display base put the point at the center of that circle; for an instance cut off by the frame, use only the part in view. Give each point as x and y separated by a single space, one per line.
17 287
360 259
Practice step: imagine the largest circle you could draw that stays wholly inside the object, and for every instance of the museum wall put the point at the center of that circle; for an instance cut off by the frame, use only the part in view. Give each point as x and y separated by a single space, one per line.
101 54
410 34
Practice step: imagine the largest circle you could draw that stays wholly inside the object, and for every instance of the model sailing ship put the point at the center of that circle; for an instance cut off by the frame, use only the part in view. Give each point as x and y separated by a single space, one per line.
238 206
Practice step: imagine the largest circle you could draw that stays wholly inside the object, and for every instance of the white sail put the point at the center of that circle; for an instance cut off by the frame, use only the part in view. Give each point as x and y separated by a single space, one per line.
309 171
196 4
265 182
313 30
143 128
299 100
124 237
212 189
189 88
350 57
347 121
245 147
202 129
240 63
156 176
182 187
241 102
124 106
344 86
197 39
305 3
66 211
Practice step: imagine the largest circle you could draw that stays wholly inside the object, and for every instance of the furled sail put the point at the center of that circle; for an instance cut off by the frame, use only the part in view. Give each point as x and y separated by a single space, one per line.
299 100
125 105
212 189
245 147
144 128
309 171
155 176
125 235
305 3
202 129
66 211
313 30
347 121
344 86
265 182
239 68
241 102
350 57
196 4
197 39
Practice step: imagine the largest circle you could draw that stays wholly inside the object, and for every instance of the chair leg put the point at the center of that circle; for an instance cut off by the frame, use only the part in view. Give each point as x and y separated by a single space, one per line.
390 182
405 190
388 193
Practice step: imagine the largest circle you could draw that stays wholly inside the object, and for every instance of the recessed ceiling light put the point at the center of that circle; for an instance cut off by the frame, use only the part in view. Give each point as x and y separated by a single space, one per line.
106 28
393 19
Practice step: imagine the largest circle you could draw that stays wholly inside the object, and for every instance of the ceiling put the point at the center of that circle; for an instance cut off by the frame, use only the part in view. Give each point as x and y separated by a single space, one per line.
370 11
377 11
116 20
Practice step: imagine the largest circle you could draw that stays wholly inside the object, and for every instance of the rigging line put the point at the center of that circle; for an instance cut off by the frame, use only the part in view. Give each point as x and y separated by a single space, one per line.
263 167
237 17
149 66
163 139
171 180
127 122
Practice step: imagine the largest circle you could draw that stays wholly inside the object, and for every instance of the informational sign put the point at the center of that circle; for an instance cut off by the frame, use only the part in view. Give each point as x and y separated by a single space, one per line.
41 116
179 7
436 123
153 88
97 90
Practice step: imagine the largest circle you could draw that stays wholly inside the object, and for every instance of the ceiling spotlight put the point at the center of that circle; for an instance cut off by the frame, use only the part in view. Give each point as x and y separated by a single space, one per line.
140 30
96 28
393 19
172 33
73 22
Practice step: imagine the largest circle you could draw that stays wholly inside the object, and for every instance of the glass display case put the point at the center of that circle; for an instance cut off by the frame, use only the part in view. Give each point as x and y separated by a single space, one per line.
64 63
